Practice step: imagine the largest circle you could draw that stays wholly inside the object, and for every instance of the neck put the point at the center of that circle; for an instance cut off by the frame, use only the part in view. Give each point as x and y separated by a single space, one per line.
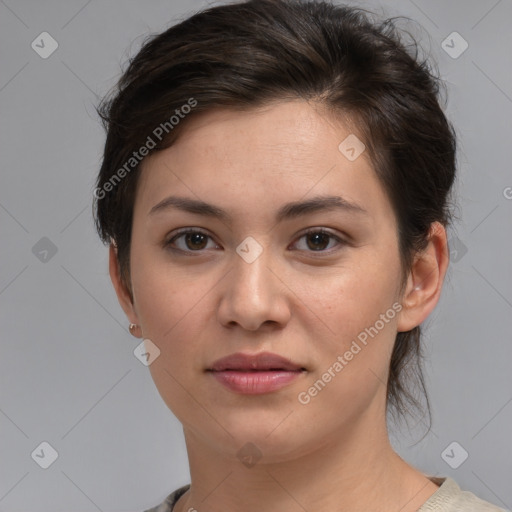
353 471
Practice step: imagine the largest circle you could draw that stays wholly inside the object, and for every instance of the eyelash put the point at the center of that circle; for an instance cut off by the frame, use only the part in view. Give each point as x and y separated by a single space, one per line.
167 243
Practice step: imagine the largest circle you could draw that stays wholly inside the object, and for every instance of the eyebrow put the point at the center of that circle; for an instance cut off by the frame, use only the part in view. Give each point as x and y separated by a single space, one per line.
287 211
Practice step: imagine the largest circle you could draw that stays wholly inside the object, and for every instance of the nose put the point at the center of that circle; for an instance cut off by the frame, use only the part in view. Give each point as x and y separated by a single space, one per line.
254 294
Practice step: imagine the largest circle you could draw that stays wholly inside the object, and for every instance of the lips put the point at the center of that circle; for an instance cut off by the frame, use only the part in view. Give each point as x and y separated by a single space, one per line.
264 361
255 374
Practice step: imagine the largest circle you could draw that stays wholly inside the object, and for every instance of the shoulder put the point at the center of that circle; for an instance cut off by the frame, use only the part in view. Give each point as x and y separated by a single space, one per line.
168 504
448 498
451 498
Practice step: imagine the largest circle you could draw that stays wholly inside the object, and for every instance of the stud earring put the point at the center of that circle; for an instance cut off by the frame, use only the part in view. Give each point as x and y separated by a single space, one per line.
133 329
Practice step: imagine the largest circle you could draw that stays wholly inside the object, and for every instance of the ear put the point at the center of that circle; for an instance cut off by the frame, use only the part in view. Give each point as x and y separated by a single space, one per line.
425 280
123 294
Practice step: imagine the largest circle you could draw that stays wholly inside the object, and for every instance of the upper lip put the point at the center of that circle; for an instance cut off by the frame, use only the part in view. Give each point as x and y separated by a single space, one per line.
261 361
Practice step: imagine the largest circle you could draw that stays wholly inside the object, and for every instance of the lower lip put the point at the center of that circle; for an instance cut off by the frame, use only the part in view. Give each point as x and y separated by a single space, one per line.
255 383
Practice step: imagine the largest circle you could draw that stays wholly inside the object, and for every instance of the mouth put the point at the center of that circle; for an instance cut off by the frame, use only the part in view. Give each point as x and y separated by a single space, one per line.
262 362
255 374
258 371
256 382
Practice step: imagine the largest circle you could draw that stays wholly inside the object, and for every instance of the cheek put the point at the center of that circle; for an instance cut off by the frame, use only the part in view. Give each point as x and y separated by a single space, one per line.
170 305
353 298
352 360
166 294
356 314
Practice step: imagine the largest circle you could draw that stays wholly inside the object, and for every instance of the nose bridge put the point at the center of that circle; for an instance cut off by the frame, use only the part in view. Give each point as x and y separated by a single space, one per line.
253 293
251 273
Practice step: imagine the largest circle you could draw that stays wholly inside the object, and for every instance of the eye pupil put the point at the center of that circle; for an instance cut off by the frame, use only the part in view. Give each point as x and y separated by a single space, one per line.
196 238
322 238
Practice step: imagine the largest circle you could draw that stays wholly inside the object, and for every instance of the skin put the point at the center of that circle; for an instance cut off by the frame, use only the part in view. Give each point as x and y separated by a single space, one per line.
304 304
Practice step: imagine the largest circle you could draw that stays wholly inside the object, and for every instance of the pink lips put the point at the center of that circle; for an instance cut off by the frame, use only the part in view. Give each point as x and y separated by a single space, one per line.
255 374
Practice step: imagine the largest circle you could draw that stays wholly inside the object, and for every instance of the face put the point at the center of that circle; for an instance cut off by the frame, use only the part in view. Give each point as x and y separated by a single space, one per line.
254 281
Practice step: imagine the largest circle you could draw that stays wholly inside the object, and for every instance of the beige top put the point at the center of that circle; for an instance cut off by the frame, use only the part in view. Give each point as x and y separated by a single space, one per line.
448 498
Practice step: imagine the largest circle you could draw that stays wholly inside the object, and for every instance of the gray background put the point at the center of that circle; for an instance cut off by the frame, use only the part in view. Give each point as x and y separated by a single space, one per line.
68 373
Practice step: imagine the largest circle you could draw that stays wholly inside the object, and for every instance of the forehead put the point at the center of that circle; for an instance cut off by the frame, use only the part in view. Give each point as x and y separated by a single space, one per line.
281 132
260 159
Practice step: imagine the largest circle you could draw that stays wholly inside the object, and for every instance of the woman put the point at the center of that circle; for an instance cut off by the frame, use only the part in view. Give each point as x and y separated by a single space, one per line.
275 191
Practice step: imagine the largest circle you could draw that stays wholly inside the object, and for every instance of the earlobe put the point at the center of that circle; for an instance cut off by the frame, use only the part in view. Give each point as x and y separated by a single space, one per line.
425 280
123 294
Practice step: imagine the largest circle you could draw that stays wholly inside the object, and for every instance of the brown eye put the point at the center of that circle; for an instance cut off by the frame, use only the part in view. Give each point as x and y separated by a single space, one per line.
190 241
318 240
195 240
